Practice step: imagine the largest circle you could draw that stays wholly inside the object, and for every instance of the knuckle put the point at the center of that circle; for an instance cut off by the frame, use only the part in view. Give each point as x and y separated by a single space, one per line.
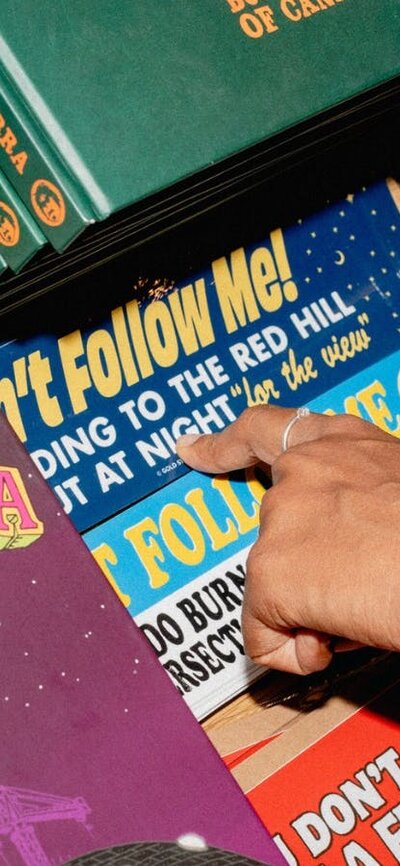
350 425
255 632
250 644
263 571
286 463
267 504
275 501
252 412
255 561
250 417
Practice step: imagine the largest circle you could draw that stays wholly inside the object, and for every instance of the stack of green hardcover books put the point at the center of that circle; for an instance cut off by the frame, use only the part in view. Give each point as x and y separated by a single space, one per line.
142 114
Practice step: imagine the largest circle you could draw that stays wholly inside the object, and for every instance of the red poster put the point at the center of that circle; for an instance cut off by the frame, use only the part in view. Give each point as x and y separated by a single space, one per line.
338 801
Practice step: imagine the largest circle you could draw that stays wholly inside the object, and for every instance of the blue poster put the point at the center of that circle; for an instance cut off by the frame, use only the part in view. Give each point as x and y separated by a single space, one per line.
373 394
294 315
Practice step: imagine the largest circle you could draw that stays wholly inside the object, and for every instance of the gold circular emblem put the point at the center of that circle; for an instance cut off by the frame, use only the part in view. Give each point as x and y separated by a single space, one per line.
48 203
9 226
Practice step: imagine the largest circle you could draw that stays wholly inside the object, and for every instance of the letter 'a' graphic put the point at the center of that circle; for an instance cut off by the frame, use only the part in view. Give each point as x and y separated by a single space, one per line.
19 525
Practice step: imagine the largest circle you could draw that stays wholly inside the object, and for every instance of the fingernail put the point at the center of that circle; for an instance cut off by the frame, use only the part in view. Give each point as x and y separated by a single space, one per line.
187 440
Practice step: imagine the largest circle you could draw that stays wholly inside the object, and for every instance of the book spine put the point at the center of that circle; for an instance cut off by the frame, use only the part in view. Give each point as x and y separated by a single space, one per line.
37 174
20 236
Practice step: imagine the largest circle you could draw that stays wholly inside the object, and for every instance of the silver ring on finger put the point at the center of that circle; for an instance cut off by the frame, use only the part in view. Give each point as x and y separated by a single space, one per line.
301 413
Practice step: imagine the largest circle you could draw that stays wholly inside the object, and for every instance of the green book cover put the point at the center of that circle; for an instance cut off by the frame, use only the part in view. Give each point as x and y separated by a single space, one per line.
36 172
20 236
136 95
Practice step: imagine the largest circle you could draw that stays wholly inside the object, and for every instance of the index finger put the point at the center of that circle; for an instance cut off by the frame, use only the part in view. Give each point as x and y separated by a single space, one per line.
256 436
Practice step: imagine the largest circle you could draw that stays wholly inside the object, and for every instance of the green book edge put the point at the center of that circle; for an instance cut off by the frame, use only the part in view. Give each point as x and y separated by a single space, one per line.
175 88
20 236
37 174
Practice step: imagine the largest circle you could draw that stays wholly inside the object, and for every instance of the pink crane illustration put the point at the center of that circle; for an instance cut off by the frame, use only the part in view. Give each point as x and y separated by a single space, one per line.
21 809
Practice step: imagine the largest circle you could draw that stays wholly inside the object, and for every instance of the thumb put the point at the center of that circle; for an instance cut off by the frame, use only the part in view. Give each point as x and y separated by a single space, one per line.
255 437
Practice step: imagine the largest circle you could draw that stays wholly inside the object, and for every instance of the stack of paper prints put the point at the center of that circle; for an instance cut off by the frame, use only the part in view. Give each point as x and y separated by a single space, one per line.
307 315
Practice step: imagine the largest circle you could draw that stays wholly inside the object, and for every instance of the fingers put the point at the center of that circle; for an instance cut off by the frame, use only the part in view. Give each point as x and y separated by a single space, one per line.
301 651
290 610
275 634
256 436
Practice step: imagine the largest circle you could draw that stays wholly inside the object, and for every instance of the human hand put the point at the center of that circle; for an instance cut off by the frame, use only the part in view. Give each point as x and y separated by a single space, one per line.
327 560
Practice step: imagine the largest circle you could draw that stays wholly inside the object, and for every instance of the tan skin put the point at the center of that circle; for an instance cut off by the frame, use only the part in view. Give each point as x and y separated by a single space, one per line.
327 560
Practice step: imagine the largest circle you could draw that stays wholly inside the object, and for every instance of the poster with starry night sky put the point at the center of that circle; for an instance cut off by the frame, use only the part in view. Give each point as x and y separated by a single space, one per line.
305 315
285 319
97 748
308 315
